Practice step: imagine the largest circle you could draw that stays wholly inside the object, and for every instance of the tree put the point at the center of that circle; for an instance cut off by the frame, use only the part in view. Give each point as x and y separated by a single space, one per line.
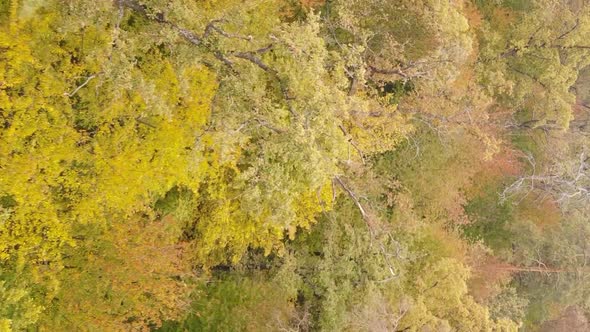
279 143
531 56
130 275
80 136
404 40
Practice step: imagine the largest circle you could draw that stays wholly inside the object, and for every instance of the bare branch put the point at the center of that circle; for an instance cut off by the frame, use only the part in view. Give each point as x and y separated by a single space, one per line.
144 122
253 59
210 27
265 124
352 142
567 184
188 35
367 221
71 94
396 71
563 35
231 35
225 61
264 49
355 200
529 76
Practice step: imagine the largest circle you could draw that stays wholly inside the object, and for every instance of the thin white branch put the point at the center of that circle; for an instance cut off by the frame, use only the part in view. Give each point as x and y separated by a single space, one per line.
71 94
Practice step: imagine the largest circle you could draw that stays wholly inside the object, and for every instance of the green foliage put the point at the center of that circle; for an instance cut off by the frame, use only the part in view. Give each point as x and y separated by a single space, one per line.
508 304
425 165
4 11
178 202
19 309
422 29
100 122
531 56
490 219
351 274
233 302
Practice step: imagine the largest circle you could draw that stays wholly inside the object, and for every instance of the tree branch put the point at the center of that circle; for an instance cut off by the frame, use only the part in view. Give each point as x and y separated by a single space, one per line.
230 35
563 35
355 200
529 76
71 94
144 122
197 40
354 145
253 59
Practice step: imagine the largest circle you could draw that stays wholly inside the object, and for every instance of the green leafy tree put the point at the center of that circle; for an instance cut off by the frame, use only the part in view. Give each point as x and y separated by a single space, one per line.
531 56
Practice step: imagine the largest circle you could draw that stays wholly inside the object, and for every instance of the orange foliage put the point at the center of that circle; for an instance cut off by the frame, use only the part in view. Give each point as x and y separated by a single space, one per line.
472 14
467 74
488 277
503 17
490 274
504 163
152 261
543 211
132 278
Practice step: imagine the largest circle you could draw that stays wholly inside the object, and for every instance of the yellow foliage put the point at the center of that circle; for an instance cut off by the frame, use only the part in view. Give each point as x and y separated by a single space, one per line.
77 147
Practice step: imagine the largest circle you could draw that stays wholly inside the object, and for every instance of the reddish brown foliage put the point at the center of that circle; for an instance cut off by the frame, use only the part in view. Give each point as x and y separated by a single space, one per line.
543 211
504 163
489 274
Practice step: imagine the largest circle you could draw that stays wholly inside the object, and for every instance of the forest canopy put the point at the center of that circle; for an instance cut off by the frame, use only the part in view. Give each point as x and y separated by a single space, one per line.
294 165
